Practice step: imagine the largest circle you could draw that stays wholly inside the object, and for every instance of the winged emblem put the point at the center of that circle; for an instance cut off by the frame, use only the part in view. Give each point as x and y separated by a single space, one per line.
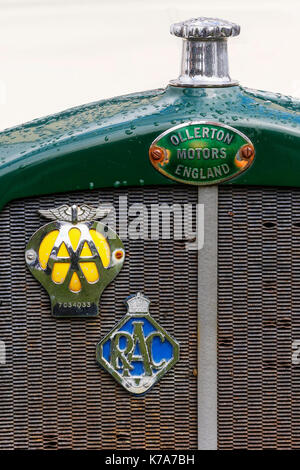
75 213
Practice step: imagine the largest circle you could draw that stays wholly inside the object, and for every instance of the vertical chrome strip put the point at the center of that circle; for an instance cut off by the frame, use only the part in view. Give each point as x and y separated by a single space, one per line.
207 321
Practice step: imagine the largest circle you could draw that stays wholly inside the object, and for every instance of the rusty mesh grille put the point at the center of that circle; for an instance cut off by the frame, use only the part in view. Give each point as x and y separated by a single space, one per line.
258 318
53 395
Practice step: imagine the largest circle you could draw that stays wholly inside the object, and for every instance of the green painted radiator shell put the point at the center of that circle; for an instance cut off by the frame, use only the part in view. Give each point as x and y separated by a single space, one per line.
105 144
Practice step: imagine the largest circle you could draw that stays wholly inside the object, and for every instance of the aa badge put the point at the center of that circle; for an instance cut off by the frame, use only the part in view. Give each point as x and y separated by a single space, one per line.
138 351
75 257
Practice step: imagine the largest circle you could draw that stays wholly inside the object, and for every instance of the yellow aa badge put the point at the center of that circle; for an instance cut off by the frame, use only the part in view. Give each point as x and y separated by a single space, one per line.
75 257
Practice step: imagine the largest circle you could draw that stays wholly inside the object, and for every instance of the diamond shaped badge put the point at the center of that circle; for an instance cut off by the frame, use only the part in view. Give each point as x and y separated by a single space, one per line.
138 351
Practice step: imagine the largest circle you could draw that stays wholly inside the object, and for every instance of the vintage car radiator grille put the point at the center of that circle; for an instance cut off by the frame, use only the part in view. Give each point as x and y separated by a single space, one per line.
53 395
258 318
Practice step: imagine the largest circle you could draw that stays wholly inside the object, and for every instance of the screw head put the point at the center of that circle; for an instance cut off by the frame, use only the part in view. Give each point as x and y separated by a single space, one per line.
247 152
30 256
119 254
157 153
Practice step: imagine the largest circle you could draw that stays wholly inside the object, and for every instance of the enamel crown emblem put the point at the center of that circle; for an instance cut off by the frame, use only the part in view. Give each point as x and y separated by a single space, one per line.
75 257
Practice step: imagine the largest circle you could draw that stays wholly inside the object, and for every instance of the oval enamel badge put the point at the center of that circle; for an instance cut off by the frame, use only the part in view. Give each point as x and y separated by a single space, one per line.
201 153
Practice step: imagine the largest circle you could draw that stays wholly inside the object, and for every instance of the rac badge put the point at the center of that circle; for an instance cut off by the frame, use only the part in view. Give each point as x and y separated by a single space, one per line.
137 352
75 257
201 153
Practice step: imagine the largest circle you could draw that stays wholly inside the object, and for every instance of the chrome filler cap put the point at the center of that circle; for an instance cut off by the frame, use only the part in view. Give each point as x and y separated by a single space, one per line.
205 28
204 56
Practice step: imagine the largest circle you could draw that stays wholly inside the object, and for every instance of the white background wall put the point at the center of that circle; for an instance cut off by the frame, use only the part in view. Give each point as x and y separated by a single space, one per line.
57 54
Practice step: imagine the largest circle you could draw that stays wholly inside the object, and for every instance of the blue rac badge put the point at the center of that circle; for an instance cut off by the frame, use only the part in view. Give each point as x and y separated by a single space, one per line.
75 257
138 351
